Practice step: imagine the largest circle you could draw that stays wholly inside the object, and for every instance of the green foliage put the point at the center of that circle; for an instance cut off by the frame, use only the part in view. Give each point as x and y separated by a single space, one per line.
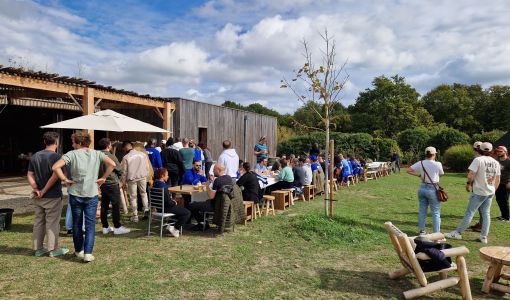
458 158
390 106
488 136
447 138
384 147
452 105
284 133
285 120
413 139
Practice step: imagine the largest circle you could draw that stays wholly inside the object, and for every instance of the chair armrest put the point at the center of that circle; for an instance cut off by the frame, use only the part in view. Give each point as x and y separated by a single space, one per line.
436 236
457 251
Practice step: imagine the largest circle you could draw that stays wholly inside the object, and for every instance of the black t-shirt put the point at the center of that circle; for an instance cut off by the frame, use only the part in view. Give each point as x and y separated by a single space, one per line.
219 183
251 188
41 164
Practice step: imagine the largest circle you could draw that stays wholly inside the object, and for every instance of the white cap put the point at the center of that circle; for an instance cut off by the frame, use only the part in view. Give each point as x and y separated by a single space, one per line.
486 146
477 145
430 150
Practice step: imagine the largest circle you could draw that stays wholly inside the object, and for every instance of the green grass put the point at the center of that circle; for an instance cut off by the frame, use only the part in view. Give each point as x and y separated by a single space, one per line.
296 254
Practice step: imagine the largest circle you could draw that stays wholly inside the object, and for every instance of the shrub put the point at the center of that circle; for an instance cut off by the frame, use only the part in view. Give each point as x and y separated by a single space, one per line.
488 136
414 139
383 149
458 157
448 137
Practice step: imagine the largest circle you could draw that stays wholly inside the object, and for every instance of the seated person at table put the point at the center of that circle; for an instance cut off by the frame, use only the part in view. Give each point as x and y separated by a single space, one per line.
308 170
261 167
198 208
194 175
249 184
284 179
299 175
181 214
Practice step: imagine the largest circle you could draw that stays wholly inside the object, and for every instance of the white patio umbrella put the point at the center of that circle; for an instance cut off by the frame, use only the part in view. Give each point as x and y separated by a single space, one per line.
106 120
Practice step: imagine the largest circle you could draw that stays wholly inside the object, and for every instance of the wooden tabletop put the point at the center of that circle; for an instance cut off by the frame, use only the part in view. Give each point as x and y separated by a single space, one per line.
184 189
496 253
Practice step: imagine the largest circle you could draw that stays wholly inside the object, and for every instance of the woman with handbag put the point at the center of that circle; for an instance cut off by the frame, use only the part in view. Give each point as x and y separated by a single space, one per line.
429 171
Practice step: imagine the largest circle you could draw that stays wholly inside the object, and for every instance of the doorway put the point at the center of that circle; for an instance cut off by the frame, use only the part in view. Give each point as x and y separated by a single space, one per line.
202 135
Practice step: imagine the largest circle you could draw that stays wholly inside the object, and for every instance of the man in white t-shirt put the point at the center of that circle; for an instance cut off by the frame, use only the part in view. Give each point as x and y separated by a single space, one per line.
483 178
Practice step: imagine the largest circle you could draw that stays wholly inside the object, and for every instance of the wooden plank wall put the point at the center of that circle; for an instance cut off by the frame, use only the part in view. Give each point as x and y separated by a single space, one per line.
224 123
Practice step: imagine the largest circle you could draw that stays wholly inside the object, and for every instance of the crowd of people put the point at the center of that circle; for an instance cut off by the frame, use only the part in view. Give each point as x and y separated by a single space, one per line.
133 167
488 176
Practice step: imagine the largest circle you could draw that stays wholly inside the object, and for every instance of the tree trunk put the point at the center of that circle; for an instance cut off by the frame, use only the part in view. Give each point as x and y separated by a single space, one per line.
326 163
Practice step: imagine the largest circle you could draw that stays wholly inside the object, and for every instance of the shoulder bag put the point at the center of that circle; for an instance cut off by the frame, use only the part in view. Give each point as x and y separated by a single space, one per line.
440 192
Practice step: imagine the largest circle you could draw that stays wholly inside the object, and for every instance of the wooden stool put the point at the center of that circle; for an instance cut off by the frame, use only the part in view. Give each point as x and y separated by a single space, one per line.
248 209
256 211
292 195
281 199
309 192
335 184
268 204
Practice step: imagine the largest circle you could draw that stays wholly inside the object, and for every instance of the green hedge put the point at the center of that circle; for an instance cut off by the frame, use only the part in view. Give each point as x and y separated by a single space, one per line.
457 158
347 143
488 136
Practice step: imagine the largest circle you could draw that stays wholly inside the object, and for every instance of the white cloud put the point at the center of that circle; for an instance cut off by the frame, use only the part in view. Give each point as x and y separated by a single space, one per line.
239 50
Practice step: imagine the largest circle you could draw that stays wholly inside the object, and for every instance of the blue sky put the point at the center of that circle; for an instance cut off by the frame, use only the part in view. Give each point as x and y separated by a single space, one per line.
221 50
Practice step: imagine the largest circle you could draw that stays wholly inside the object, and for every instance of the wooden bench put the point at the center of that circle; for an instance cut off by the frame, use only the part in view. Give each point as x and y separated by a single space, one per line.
309 192
410 264
268 205
281 200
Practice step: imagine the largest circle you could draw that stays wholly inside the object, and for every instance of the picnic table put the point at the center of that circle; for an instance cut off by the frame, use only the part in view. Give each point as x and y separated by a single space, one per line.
197 195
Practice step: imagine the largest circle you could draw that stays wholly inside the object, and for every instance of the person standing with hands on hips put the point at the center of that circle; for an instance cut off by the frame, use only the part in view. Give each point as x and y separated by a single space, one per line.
84 166
261 151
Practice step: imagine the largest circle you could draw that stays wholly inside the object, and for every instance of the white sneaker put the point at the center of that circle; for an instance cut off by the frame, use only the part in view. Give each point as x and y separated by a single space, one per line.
107 230
453 235
88 258
80 254
121 230
173 231
134 219
483 239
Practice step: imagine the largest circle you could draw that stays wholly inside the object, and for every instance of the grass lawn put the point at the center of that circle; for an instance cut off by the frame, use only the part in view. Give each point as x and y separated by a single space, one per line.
296 254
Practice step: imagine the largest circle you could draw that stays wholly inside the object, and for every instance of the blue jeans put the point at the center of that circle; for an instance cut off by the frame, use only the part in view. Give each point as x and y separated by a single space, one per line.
475 202
84 207
427 197
69 218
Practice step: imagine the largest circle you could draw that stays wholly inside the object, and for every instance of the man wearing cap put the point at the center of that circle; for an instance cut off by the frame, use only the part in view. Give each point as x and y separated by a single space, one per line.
503 190
429 170
478 226
261 150
483 178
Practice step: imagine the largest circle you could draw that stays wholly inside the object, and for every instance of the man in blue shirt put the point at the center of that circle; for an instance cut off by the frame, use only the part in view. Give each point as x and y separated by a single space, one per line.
261 150
195 175
154 155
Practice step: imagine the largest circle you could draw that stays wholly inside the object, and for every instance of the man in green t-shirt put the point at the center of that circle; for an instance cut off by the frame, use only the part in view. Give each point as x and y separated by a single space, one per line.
83 164
187 154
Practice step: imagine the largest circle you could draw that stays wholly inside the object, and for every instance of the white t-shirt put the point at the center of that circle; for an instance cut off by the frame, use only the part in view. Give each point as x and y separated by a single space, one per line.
434 169
486 169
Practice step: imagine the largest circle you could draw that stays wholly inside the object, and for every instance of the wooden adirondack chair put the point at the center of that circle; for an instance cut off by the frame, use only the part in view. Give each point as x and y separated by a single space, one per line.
405 251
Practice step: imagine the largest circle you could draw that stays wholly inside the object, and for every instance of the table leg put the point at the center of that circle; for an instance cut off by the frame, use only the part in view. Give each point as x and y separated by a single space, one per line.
489 277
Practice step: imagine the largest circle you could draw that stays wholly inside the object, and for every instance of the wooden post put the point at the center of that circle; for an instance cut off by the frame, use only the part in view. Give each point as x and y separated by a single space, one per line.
167 120
332 182
88 108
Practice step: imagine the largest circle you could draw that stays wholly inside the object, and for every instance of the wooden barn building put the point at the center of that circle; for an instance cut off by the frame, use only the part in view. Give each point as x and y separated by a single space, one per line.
29 100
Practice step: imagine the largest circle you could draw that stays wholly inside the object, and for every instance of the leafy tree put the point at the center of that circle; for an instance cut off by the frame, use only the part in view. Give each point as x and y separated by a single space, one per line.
390 106
414 139
496 108
452 105
488 136
449 137
321 84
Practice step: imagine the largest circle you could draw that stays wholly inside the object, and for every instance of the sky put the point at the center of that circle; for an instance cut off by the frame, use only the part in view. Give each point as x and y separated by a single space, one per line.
219 50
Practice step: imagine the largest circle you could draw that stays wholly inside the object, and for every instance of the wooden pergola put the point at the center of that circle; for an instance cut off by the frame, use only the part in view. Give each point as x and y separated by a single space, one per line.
40 89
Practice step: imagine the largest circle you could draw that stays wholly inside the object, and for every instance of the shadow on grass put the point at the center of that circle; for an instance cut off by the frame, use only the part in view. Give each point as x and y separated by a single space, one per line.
6 250
21 228
379 285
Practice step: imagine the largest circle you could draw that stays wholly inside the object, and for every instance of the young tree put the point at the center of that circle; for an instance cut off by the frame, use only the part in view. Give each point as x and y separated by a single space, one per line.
319 88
